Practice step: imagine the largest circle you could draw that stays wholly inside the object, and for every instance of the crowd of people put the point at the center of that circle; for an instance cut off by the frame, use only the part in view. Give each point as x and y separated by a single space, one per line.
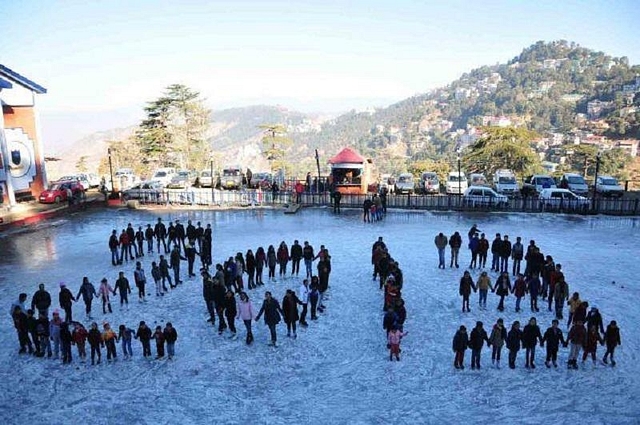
221 287
224 291
541 278
388 271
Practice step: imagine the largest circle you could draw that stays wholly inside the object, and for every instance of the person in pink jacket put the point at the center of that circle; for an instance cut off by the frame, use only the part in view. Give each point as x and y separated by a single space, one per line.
393 342
247 314
104 292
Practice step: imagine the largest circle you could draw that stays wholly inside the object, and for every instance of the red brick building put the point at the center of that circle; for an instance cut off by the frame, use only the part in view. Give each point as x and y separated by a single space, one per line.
22 169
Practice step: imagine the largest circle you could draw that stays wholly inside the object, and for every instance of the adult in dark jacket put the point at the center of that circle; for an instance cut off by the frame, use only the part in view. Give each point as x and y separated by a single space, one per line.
466 285
502 288
95 342
65 342
290 309
160 233
483 249
148 236
474 244
324 270
230 312
191 231
476 341
174 263
113 247
207 294
180 234
533 286
88 292
170 337
530 337
41 301
20 322
66 300
219 292
612 339
455 242
250 264
122 285
517 253
505 253
144 335
460 344
594 318
190 252
496 249
131 237
553 338
296 256
164 272
272 314
514 338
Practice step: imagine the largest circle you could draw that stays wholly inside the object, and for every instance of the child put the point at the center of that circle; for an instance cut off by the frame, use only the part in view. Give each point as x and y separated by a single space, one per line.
42 330
497 339
157 278
314 296
54 332
484 284
394 338
247 314
514 339
125 335
553 337
466 285
79 336
65 342
170 335
32 327
612 339
576 338
109 337
591 344
519 290
95 341
460 344
159 337
144 334
104 291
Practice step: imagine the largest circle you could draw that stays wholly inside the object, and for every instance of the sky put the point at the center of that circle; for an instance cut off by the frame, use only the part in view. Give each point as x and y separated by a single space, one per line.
101 61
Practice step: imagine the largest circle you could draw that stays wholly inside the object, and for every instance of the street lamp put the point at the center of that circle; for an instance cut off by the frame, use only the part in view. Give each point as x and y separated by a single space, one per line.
459 178
111 172
595 182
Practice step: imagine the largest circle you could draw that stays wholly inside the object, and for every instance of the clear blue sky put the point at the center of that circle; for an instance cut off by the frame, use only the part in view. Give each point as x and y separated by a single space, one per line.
103 60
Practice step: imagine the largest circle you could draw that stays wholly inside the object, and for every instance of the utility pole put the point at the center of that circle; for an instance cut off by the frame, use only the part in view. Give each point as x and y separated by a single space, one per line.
111 173
318 165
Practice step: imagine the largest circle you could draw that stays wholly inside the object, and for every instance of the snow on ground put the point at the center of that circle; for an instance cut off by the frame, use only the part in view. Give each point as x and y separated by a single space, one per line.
337 371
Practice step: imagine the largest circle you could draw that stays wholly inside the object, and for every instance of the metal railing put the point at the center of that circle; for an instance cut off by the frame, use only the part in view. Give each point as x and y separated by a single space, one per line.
255 197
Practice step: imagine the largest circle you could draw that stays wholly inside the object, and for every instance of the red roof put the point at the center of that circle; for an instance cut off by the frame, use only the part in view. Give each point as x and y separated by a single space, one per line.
347 155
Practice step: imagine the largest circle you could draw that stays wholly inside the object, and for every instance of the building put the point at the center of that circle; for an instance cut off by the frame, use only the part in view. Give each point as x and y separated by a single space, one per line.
350 172
630 146
22 168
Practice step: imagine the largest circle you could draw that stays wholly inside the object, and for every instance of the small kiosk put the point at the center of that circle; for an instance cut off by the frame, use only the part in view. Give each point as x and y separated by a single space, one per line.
350 172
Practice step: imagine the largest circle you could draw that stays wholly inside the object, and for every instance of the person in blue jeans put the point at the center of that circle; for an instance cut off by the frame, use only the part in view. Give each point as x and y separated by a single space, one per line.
441 242
113 246
125 336
170 337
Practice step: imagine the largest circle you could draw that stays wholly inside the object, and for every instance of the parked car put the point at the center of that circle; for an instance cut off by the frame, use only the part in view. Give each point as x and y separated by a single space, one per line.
505 183
575 183
482 196
389 181
81 178
477 179
262 181
182 179
57 191
231 178
163 175
93 179
533 185
456 183
404 184
146 191
124 178
429 182
205 179
557 198
609 186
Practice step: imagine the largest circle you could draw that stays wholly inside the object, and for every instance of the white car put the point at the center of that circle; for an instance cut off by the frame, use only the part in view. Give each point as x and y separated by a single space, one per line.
405 184
562 199
163 175
482 196
575 183
456 183
608 186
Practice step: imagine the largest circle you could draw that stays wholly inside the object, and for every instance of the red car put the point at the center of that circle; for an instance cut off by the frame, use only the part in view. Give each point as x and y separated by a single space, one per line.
57 192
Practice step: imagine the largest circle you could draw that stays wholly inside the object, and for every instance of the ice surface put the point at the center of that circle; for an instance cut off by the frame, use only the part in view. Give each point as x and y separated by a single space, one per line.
337 371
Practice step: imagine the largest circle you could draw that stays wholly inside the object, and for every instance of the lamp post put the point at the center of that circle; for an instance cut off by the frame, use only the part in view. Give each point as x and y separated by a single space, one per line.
459 182
595 182
111 173
212 184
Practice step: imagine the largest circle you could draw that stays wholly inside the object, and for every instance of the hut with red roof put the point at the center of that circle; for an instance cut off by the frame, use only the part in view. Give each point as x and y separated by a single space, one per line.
350 172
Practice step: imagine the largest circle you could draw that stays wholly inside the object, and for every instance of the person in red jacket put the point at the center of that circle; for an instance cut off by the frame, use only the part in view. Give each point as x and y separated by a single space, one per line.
124 247
79 336
576 338
519 290
591 344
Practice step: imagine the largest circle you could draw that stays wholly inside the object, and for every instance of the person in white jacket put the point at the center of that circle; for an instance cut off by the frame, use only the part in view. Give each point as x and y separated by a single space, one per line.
303 296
